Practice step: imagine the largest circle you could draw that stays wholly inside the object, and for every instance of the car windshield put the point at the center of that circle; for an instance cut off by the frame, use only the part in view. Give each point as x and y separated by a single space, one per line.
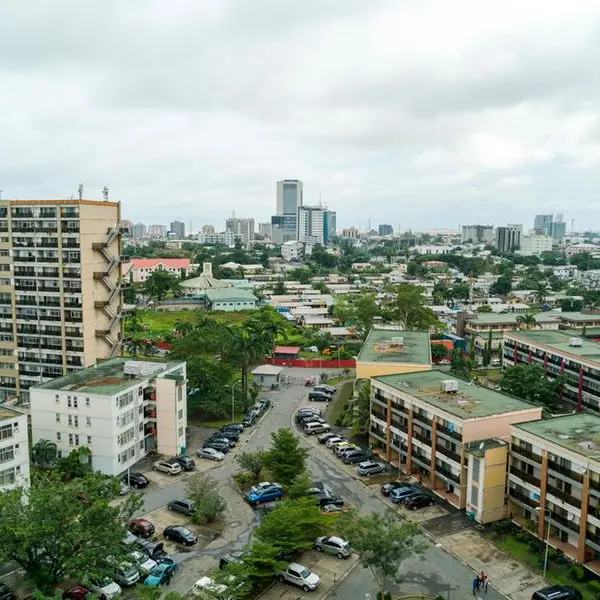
104 582
305 573
128 570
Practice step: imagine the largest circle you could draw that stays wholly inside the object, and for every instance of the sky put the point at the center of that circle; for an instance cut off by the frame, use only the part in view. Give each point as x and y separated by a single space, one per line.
424 115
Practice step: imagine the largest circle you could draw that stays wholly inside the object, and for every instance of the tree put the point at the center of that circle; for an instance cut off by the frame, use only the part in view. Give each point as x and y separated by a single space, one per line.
541 289
78 463
285 458
408 308
44 453
279 288
238 577
64 529
484 308
253 462
571 305
502 286
204 492
461 291
438 352
358 414
300 486
293 525
529 382
264 559
383 542
527 321
160 284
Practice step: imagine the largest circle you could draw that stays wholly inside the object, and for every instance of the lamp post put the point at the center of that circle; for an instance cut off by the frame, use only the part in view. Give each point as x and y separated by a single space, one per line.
135 441
546 510
233 399
449 569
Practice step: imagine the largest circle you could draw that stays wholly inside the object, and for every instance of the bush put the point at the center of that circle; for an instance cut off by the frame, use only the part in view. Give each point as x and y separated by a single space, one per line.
204 492
243 478
503 527
530 525
576 573
594 586
387 596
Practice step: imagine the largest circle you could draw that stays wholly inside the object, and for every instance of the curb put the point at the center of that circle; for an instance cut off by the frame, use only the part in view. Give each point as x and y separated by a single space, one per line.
341 578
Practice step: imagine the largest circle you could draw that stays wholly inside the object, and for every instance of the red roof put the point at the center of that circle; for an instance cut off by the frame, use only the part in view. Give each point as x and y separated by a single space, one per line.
149 263
286 350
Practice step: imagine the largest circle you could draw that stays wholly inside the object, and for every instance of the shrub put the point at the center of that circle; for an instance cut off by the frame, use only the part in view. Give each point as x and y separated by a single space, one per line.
530 525
503 527
576 573
387 596
243 478
594 586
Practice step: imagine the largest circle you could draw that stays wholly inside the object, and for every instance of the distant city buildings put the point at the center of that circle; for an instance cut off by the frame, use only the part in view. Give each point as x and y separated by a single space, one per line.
14 449
508 238
139 269
478 234
178 229
385 230
292 250
158 231
208 229
535 245
351 233
550 225
242 229
265 229
138 230
284 224
313 227
224 238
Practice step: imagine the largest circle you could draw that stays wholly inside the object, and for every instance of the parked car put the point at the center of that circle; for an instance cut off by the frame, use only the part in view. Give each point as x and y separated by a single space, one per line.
387 488
311 419
136 480
326 436
129 538
319 389
164 466
228 559
264 492
352 458
229 434
330 389
334 440
182 506
314 428
399 495
180 534
141 527
315 396
127 575
321 486
265 403
186 463
104 587
344 442
343 447
160 574
155 550
208 589
306 412
210 453
369 467
239 427
301 576
332 509
220 445
248 420
76 592
143 563
418 501
557 592
332 544
327 499
221 437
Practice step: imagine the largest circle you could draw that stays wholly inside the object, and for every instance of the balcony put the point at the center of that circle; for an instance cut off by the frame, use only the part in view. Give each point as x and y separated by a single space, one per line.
69 227
422 438
422 461
522 498
525 476
565 522
564 496
595 485
452 434
520 450
558 468
447 473
30 259
451 454
420 419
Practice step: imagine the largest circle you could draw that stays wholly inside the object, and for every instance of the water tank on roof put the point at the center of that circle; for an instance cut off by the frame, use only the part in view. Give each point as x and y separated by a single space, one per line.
576 342
398 341
449 386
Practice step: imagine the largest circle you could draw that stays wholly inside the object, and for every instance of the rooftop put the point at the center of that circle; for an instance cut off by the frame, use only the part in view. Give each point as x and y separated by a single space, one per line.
509 318
479 447
578 432
109 377
8 413
559 341
148 263
580 317
470 402
229 294
381 347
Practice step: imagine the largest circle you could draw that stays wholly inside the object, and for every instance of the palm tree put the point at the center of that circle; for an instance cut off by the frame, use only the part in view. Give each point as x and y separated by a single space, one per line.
248 347
134 345
44 453
527 321
540 292
182 328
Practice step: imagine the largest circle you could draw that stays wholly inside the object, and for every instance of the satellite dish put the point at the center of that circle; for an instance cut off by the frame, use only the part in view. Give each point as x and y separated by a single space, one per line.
481 446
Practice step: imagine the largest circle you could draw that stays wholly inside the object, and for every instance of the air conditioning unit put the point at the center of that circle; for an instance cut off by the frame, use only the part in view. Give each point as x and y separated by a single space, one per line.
575 342
398 341
449 386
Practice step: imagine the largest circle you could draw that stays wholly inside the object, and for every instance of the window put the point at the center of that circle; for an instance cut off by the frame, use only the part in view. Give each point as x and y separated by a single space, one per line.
75 421
58 436
69 403
181 432
70 420
6 432
87 402
89 439
58 417
88 421
476 465
180 414
70 439
474 495
76 440
7 454
75 402
7 477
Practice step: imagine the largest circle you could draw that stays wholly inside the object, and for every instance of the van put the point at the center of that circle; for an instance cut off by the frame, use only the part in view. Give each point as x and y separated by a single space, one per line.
313 427
182 506
557 592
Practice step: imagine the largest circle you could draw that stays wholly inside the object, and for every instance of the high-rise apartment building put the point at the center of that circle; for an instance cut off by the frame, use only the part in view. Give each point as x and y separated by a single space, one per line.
14 449
478 234
550 225
208 229
508 239
289 196
330 225
60 289
138 230
265 229
385 229
242 229
311 225
158 231
178 229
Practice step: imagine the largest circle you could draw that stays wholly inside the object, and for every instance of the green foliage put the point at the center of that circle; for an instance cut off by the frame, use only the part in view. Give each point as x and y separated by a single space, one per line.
571 305
358 310
293 525
279 288
239 578
264 559
383 542
148 592
161 284
285 458
77 464
438 352
67 529
576 573
408 307
204 492
529 382
244 478
44 453
484 308
502 286
300 486
358 414
253 463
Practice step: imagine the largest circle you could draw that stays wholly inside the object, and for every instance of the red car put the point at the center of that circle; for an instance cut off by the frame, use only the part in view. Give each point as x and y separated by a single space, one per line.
141 527
77 592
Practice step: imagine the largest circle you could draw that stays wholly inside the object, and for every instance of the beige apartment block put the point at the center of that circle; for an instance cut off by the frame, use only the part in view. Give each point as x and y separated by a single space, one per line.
60 289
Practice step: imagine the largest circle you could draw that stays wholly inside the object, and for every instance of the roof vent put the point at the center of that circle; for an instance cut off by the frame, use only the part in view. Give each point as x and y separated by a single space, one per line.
397 341
564 436
575 342
449 386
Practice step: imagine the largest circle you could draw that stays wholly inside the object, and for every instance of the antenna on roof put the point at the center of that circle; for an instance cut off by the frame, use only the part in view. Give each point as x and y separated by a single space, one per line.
105 194
80 191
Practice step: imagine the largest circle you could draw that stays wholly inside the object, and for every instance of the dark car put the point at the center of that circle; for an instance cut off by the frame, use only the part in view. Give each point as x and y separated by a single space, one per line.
326 500
187 463
418 501
220 445
6 593
311 419
352 458
387 488
233 427
77 592
229 434
324 389
306 412
136 480
182 506
557 592
248 420
265 403
155 550
319 397
141 527
325 436
230 559
180 534
402 494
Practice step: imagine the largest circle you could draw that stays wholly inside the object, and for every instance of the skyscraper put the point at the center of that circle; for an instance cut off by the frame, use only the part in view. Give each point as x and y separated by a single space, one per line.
508 238
178 228
242 229
138 230
62 310
386 230
289 196
543 224
311 225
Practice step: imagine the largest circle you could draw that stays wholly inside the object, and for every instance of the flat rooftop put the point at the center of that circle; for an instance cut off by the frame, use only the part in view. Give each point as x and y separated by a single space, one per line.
559 341
380 347
8 413
470 402
109 377
578 432
510 318
580 316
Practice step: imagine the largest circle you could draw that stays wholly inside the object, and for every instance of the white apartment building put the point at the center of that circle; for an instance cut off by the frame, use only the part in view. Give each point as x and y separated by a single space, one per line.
210 238
292 250
478 234
14 449
242 229
120 409
534 245
311 225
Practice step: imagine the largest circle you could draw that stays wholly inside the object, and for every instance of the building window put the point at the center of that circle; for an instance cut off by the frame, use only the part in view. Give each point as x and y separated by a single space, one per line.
58 417
75 402
70 439
58 436
7 454
89 439
76 440
6 432
87 402
7 477
474 495
56 398
75 421
180 414
88 421
69 402
70 420
476 465
181 432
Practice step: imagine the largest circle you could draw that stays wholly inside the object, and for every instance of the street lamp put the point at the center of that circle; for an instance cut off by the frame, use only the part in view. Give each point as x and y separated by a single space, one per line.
449 568
546 510
135 451
233 399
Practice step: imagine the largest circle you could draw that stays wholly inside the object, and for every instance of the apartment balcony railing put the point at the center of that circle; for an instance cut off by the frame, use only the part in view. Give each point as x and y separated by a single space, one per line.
421 419
554 466
526 453
593 537
447 473
569 524
566 497
525 476
523 498
445 431
422 438
447 452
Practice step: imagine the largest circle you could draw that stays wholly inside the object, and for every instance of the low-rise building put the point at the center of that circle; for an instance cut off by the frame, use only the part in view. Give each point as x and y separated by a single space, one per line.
389 350
229 299
429 424
14 449
120 409
139 269
554 483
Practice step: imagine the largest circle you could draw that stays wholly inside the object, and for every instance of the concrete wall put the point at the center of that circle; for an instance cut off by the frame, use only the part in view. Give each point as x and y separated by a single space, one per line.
365 370
498 426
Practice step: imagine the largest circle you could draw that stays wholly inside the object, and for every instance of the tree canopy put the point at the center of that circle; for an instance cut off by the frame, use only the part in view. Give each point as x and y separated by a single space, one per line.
529 382
285 459
407 306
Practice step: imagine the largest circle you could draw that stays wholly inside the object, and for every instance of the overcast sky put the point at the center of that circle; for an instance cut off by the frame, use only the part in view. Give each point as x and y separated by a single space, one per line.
421 113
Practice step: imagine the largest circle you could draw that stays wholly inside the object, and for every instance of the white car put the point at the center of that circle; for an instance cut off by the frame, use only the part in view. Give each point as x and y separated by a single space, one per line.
105 588
334 440
144 564
207 588
301 576
369 467
167 467
210 453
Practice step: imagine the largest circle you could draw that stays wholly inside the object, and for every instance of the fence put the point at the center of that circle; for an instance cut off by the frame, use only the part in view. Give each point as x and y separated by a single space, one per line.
312 364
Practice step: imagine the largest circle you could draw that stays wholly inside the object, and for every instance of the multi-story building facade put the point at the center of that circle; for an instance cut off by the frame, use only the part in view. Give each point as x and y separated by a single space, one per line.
120 409
14 449
157 231
139 269
508 239
224 238
265 229
178 229
138 230
292 250
60 289
426 423
242 229
478 234
311 225
554 482
289 196
559 353
535 245
385 229
542 224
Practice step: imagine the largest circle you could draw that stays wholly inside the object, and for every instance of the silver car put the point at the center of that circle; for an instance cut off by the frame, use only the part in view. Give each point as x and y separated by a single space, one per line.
210 454
301 576
332 544
127 575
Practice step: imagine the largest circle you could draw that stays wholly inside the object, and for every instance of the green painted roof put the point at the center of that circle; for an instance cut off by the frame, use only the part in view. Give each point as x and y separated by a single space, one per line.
471 401
559 340
579 432
229 295
378 347
580 317
509 318
106 378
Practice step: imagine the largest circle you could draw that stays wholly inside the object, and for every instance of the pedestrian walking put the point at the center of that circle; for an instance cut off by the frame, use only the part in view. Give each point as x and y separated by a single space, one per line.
476 583
483 582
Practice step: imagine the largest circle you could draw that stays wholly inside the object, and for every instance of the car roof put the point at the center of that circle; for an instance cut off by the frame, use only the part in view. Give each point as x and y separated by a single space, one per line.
335 538
297 566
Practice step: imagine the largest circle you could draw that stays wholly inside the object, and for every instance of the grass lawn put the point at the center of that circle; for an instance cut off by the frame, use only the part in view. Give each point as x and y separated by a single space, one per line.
197 422
336 408
161 322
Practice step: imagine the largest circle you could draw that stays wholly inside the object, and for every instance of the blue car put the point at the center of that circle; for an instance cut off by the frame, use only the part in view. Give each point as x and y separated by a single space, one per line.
264 492
160 574
400 495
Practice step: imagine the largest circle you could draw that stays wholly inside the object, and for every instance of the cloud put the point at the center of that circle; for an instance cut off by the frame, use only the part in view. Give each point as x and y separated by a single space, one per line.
426 114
